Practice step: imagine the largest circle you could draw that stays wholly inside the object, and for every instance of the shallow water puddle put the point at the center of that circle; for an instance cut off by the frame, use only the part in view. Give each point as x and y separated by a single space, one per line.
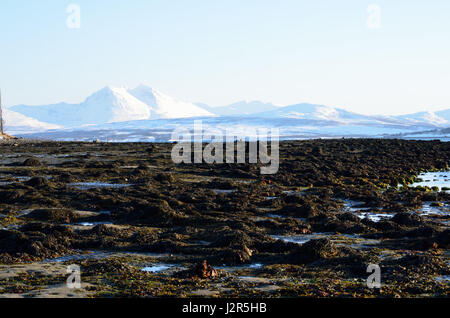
11 227
219 191
230 269
375 217
277 216
357 208
443 279
301 239
157 268
354 206
79 257
92 223
295 192
427 209
357 242
439 179
23 213
92 185
352 240
27 178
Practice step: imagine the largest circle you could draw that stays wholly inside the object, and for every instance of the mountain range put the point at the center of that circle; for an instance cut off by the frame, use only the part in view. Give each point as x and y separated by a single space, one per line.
113 104
144 108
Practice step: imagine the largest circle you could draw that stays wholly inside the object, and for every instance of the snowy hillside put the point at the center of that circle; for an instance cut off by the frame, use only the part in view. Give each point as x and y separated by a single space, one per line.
112 104
240 108
145 114
18 123
313 112
441 118
109 104
163 106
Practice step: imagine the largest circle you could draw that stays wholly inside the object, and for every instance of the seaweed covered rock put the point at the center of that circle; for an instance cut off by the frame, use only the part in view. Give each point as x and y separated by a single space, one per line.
37 240
164 246
347 216
110 266
37 182
53 215
233 256
306 210
32 162
164 177
407 219
66 177
12 196
158 212
387 226
105 230
443 239
232 239
424 264
338 226
315 250
432 239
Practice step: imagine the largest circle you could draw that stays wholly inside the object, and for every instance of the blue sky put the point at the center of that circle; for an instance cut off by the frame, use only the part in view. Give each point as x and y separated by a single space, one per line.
218 52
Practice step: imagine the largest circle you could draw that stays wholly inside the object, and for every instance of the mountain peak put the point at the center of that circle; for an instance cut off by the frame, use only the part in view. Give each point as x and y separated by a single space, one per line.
164 106
144 87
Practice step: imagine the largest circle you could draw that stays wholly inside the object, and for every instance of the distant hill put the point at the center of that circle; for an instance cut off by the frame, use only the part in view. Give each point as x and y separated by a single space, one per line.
240 108
143 113
113 104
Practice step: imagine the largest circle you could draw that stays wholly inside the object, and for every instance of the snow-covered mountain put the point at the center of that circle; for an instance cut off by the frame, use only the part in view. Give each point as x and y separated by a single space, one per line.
163 106
314 112
145 114
240 108
18 123
440 118
113 104
110 104
342 116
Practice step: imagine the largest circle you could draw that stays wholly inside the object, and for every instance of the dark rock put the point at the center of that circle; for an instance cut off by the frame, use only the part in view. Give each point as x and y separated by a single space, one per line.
31 162
37 182
314 250
230 256
407 219
306 210
52 215
164 177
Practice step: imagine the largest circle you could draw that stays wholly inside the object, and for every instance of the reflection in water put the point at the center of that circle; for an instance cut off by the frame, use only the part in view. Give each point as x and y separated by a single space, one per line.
91 185
434 179
157 268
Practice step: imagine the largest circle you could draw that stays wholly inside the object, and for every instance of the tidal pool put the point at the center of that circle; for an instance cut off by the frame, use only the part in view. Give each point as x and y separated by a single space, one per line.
427 209
439 179
219 191
301 239
156 268
92 223
375 217
91 185
240 267
443 279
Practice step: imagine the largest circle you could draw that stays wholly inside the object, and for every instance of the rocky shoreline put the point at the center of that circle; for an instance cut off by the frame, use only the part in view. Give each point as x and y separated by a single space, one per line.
140 226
